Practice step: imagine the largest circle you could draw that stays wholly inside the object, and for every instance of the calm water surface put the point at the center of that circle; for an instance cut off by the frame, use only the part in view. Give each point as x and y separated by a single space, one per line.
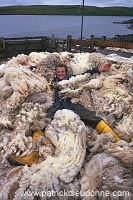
61 26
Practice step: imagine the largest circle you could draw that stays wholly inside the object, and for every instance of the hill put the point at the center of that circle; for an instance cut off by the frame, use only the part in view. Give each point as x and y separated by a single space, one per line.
66 10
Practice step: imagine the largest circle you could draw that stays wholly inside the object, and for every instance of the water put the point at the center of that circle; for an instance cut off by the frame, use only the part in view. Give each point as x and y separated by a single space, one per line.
61 26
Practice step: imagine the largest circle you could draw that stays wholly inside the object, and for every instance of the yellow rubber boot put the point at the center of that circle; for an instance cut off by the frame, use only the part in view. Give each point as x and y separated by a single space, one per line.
102 127
37 134
30 159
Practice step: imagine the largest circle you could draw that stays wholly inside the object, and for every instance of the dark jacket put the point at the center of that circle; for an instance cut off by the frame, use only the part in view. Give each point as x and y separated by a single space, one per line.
87 116
57 98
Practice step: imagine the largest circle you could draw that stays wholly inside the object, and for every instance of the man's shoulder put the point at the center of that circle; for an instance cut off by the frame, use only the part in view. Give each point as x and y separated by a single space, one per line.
68 76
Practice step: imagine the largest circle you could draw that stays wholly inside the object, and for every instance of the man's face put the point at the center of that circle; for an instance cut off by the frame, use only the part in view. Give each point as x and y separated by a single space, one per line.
60 73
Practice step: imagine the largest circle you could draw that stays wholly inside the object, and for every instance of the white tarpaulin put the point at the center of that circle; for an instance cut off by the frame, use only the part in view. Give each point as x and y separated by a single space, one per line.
116 58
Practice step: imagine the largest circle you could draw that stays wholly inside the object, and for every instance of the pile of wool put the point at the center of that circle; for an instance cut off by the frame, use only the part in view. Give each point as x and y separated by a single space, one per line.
47 66
80 62
44 62
25 99
36 57
68 134
77 63
33 58
105 177
73 157
109 94
119 49
18 60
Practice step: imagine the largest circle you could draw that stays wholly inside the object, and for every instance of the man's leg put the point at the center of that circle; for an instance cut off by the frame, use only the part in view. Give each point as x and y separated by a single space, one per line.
52 110
90 119
32 158
87 116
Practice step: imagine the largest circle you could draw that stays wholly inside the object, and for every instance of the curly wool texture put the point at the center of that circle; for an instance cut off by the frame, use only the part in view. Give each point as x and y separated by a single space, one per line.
108 96
122 151
16 61
23 83
68 134
21 111
83 61
105 166
130 80
19 83
30 118
105 173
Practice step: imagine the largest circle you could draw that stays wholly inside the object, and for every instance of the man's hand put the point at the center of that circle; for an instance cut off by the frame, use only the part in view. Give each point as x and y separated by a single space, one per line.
104 67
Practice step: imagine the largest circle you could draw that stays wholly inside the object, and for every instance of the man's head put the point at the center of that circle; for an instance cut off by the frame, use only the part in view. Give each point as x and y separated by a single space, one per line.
61 71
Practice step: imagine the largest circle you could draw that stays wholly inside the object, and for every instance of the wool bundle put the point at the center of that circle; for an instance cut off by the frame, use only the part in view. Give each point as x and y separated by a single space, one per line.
68 134
72 156
21 112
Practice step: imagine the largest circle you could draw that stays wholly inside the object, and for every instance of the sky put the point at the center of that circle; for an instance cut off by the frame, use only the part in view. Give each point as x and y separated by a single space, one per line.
99 3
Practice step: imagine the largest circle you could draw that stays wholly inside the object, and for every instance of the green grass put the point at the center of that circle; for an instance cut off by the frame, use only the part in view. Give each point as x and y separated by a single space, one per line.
66 10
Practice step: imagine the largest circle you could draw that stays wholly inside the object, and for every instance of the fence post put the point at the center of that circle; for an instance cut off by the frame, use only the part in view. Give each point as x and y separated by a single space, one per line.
4 48
92 49
26 45
92 37
103 38
45 43
68 43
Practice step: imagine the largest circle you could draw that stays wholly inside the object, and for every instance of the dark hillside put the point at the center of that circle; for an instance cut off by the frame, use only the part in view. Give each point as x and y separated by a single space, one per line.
66 10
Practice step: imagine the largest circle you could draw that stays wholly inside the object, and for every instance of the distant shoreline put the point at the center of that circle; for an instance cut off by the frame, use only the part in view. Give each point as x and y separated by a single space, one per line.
129 22
130 27
66 10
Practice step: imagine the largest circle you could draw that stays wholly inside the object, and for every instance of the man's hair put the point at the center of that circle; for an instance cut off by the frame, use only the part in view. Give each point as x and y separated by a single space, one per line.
62 65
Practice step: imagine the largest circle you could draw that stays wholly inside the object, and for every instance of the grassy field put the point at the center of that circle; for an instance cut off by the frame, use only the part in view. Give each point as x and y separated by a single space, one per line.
66 10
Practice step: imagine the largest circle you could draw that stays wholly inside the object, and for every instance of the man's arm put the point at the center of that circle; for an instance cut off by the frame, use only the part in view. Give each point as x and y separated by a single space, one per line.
101 68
